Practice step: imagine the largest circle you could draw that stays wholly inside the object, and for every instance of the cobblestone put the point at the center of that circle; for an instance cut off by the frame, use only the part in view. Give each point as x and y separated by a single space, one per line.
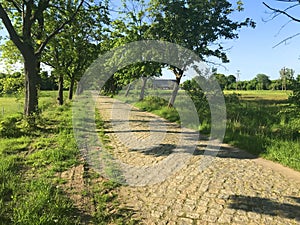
234 189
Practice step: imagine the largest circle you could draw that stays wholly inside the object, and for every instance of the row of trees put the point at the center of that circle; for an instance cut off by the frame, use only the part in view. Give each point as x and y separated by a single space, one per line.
13 83
287 81
69 35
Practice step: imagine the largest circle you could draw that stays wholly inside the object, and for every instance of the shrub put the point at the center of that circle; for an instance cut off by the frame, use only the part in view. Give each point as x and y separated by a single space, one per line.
295 97
9 126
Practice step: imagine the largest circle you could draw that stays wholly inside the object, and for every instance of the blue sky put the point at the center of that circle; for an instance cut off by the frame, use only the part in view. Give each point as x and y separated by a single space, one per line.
253 51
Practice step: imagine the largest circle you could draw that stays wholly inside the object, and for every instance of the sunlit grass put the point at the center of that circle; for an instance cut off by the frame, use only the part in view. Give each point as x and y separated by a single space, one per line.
10 105
271 95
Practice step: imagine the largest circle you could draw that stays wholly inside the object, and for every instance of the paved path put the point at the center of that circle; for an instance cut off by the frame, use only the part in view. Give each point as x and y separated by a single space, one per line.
234 189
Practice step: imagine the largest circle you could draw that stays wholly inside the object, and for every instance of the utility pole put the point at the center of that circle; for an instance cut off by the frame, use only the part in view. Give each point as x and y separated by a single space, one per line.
237 79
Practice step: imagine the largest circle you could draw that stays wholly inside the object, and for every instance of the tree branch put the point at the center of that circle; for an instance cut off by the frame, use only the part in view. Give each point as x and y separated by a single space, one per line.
282 12
58 29
49 64
15 5
43 4
11 30
282 27
277 14
286 39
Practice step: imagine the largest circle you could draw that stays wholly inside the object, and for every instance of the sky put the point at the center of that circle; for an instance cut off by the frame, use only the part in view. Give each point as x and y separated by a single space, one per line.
254 52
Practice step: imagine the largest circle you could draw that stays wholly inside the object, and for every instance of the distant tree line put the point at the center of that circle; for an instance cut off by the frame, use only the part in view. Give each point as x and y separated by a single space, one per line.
286 81
13 83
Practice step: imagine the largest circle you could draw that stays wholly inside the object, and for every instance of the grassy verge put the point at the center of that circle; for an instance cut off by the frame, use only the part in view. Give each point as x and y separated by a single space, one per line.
31 161
265 124
261 122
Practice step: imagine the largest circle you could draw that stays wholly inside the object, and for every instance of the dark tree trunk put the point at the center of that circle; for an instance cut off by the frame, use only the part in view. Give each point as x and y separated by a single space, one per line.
60 97
25 44
128 90
178 75
31 66
142 94
71 88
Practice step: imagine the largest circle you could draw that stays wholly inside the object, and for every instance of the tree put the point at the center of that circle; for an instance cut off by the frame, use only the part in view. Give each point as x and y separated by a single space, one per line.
231 80
286 77
26 22
12 83
295 96
222 80
275 85
132 25
252 84
263 81
195 25
73 50
48 81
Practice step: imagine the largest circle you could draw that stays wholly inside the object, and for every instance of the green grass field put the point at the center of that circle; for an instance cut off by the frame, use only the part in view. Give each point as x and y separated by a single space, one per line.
261 95
10 105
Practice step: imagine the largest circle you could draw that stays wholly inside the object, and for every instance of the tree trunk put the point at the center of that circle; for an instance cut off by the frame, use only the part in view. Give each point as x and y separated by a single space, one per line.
176 88
60 90
142 94
71 88
128 90
31 67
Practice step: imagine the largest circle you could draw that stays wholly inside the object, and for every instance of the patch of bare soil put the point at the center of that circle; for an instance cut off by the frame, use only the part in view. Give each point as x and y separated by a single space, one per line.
77 189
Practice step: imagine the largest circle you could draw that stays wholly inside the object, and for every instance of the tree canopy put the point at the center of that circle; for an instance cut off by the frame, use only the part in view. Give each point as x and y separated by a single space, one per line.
31 25
196 25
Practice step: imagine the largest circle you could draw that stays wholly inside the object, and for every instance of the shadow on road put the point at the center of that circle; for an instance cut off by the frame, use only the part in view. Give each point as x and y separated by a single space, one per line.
224 152
160 150
266 206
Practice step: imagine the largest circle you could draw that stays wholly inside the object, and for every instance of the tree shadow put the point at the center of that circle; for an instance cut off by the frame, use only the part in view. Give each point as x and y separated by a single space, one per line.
296 199
160 150
266 206
145 130
166 149
223 152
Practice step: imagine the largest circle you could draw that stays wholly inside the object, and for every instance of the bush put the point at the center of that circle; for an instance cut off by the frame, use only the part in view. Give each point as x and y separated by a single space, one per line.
9 126
295 97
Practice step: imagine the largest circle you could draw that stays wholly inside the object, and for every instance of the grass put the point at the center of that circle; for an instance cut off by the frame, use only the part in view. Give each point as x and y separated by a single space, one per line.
268 127
261 95
159 107
14 104
31 159
261 122
10 105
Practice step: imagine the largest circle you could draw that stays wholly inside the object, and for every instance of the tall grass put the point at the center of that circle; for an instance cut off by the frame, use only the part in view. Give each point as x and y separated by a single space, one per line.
268 127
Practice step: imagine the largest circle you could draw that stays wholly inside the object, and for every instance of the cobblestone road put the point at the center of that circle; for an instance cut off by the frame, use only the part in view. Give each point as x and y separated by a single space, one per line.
234 189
